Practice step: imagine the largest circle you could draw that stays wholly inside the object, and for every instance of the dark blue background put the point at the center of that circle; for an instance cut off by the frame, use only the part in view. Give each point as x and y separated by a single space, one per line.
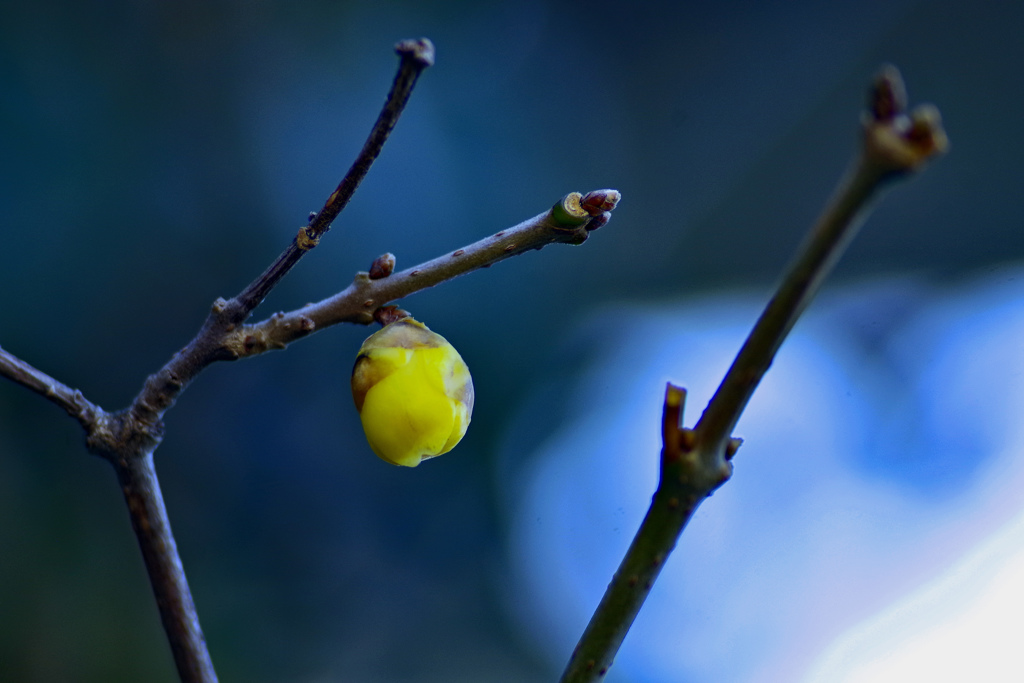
157 155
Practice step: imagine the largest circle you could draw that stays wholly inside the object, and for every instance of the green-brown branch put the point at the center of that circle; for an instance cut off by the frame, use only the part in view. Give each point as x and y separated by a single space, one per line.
696 462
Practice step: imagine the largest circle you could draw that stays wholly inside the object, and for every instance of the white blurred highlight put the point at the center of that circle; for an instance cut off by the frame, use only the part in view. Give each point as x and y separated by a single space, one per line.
870 466
963 626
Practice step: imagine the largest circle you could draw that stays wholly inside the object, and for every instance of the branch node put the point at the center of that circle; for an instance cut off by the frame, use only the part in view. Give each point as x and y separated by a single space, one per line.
569 213
894 142
687 439
306 239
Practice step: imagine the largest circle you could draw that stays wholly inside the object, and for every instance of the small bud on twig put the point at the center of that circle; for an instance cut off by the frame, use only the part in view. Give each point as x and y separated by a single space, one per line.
599 221
306 239
382 266
597 202
897 142
887 98
385 315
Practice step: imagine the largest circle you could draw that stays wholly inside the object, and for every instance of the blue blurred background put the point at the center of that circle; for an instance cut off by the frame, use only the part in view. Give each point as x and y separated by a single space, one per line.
157 155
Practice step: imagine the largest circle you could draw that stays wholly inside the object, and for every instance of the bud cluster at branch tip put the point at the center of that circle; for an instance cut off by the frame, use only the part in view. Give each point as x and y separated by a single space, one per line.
599 201
897 141
590 211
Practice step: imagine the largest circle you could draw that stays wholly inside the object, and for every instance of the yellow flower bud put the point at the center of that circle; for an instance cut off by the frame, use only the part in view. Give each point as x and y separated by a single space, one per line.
413 392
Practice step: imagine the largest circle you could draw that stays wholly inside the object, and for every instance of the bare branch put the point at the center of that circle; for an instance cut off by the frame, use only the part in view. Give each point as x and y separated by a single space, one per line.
134 434
161 389
696 462
152 527
130 450
894 144
127 439
566 222
71 400
416 55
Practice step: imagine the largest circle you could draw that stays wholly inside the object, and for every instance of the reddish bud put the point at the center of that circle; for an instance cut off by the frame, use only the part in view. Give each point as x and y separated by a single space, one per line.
597 202
385 315
888 96
382 266
599 221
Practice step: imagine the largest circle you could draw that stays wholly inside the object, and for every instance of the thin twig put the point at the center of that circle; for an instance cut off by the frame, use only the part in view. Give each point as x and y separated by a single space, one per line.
128 438
567 222
141 425
696 462
71 400
162 389
416 55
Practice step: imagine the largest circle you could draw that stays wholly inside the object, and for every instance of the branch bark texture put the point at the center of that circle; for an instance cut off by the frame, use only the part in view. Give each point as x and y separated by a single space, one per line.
128 438
569 221
696 462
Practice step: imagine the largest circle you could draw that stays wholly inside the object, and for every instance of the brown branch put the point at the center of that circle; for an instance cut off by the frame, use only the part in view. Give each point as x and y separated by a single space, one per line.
162 389
128 438
696 462
416 55
152 527
71 400
568 222
131 454
894 144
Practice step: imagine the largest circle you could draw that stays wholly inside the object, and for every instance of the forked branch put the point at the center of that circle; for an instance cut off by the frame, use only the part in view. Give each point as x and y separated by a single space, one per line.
696 462
128 438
